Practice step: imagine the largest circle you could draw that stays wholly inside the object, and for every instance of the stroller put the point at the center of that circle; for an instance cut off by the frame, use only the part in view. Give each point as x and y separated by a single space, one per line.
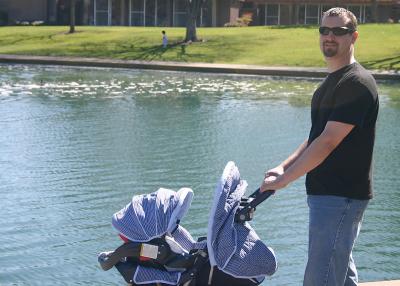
158 251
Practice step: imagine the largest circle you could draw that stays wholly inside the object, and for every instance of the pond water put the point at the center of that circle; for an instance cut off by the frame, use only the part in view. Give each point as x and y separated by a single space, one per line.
77 143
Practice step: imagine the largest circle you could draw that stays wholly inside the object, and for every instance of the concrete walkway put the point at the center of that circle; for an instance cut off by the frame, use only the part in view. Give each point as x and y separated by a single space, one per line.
382 283
179 66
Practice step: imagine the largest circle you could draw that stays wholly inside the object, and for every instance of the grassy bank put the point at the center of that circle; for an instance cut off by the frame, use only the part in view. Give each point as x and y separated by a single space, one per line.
378 46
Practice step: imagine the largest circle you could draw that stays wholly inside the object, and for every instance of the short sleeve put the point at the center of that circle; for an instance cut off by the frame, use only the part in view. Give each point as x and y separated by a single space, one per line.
352 100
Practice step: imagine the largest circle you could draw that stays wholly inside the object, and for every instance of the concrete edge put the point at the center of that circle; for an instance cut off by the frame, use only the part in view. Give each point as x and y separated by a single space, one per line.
382 283
179 66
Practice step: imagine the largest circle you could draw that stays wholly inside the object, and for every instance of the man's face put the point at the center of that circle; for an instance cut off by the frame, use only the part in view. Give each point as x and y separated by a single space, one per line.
336 46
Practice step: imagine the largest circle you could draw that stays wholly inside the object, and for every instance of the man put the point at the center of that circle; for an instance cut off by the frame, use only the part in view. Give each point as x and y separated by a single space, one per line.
336 156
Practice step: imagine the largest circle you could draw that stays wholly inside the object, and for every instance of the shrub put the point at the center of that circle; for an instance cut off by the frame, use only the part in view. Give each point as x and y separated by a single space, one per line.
37 23
243 21
231 24
22 23
27 23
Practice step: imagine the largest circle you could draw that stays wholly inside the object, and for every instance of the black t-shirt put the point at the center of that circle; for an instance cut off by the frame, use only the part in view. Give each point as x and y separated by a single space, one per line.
348 95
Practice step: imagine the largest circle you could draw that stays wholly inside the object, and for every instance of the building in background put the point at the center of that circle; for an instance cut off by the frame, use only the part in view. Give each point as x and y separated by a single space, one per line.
289 12
172 12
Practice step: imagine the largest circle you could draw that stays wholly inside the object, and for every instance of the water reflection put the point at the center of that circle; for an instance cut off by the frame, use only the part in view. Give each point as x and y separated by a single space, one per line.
89 83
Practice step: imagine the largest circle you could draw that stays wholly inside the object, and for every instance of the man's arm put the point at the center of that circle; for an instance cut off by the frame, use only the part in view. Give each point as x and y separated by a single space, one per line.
292 158
311 156
282 167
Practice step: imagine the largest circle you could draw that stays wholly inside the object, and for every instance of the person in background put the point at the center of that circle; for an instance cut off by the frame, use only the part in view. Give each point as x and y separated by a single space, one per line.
337 156
164 39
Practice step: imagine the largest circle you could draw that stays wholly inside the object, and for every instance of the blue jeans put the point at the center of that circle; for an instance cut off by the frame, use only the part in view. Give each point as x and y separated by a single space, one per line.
335 223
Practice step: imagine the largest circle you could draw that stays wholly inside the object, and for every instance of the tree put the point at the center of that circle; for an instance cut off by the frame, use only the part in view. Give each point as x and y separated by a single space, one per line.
72 17
192 12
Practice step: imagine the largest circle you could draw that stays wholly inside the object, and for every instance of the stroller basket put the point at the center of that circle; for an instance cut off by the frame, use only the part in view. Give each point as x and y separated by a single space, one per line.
159 250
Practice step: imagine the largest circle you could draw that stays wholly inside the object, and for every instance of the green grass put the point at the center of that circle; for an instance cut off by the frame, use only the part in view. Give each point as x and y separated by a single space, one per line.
378 46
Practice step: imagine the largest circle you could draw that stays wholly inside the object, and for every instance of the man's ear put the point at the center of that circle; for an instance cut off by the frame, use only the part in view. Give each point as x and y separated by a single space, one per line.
354 36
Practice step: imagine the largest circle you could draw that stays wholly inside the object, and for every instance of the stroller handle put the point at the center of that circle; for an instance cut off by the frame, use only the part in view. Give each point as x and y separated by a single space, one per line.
259 197
248 205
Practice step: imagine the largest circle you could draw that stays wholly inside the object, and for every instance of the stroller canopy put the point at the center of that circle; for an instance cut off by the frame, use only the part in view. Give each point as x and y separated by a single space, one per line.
234 247
151 216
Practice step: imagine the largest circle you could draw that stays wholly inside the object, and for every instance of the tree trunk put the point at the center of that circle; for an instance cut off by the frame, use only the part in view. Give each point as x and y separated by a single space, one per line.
191 33
192 11
72 17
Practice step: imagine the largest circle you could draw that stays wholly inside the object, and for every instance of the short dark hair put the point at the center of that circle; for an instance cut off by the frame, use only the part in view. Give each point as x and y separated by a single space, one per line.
338 11
163 32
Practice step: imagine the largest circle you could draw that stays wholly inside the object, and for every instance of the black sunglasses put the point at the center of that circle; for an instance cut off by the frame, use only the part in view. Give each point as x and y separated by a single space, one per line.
337 31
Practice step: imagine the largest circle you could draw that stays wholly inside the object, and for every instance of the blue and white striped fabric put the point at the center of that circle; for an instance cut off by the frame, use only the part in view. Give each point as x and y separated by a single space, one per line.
151 216
235 248
186 241
146 275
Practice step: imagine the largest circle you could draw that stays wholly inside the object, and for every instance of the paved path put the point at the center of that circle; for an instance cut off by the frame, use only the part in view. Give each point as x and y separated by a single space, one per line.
179 66
382 283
